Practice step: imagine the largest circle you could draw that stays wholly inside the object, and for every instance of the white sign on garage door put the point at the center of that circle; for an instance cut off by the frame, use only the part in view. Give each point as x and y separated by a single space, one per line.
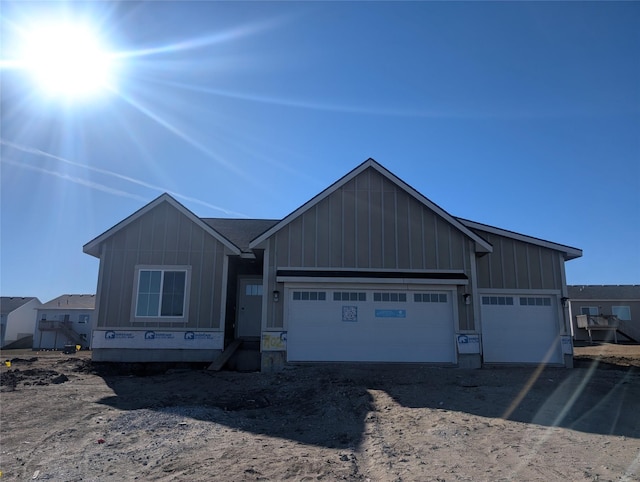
520 329
334 323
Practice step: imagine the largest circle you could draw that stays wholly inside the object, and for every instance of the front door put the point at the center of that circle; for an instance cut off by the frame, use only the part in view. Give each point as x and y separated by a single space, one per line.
249 318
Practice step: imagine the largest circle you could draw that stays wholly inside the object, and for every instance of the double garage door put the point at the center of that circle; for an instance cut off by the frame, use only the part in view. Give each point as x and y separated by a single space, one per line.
339 323
520 329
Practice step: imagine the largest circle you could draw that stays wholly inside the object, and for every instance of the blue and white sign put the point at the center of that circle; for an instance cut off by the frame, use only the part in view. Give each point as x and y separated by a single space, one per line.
196 340
468 344
391 313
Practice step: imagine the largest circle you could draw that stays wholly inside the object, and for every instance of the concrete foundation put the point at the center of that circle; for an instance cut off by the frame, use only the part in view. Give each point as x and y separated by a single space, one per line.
273 361
469 361
568 361
142 356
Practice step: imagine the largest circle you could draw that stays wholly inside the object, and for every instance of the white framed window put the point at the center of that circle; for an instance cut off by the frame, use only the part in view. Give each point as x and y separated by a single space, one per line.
622 312
497 300
253 290
391 296
589 310
349 296
538 301
430 297
309 295
83 319
161 292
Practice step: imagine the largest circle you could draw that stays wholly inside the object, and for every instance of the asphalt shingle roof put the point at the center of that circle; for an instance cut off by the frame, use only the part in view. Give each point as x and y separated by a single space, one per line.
11 303
240 231
604 292
71 302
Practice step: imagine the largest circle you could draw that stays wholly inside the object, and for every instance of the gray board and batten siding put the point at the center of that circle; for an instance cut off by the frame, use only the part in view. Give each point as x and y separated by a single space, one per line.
162 236
518 265
369 223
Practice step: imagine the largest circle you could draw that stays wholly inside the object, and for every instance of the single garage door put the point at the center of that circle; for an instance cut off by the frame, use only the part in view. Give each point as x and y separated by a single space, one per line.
520 329
333 323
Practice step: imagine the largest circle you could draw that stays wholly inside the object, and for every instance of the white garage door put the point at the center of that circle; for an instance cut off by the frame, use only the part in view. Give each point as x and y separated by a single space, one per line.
330 323
520 329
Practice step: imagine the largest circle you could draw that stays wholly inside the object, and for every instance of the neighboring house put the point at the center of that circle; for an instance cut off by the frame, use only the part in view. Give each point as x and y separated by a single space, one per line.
605 312
369 270
17 321
65 320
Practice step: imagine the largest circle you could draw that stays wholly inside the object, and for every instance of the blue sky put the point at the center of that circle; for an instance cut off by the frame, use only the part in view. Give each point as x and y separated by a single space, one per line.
521 115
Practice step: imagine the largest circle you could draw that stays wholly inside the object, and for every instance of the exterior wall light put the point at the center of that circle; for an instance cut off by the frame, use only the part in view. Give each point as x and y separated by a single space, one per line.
565 301
276 296
466 297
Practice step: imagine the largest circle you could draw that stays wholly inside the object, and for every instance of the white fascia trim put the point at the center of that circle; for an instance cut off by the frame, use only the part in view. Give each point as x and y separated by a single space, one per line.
481 244
371 270
499 291
568 251
369 285
361 281
607 300
92 247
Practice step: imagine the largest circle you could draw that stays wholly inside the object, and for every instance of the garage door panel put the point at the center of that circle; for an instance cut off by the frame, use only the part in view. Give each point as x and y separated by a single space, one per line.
521 332
340 328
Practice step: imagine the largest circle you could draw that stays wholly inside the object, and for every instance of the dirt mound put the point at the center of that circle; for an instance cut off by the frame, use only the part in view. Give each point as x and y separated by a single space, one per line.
33 376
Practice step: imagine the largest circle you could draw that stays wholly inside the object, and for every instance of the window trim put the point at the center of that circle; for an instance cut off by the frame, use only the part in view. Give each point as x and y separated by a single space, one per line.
595 308
628 308
159 318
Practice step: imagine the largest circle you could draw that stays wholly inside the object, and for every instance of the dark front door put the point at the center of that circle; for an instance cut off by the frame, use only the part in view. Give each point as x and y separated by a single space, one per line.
249 322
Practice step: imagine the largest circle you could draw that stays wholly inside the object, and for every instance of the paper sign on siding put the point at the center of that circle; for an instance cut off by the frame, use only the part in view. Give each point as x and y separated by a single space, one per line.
468 344
157 339
274 341
567 345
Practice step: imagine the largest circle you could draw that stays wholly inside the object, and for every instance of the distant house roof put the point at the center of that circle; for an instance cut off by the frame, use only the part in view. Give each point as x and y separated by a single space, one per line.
240 231
71 302
11 303
604 292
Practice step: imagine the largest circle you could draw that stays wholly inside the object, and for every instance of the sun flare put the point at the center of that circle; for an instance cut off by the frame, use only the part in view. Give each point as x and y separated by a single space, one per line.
67 60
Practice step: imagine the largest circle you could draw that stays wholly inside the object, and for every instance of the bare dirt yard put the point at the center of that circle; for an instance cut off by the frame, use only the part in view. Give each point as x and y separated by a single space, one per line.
66 419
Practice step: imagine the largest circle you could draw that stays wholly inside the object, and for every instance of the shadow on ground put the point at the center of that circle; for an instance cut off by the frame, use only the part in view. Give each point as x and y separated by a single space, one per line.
327 405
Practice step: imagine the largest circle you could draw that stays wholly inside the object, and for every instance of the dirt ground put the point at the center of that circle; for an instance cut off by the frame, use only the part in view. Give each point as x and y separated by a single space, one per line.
66 419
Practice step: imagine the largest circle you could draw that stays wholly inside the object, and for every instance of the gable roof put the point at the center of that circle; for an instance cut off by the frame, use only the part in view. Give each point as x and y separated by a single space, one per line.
482 245
604 292
93 246
240 231
71 302
568 251
12 303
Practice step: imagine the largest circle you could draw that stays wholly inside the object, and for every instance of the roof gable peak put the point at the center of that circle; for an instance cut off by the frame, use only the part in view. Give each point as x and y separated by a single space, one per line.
482 245
93 246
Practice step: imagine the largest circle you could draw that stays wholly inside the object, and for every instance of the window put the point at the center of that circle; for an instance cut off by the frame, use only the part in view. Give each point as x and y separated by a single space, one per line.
535 301
161 293
349 296
392 296
622 312
253 290
430 297
497 300
309 295
589 310
83 319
